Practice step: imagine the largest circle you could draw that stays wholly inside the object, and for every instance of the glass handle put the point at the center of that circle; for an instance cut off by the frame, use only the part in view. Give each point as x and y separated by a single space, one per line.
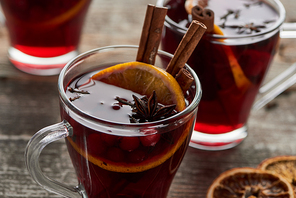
288 30
276 86
34 147
283 81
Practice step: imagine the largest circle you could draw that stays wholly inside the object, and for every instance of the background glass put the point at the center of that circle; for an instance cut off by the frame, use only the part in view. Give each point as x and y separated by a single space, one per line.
44 35
226 105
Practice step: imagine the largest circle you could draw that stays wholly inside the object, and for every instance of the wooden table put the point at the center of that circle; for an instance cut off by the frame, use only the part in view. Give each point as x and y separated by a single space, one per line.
28 103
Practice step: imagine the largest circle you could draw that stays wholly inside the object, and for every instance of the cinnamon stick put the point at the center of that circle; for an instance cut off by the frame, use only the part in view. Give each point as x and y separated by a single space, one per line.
186 47
151 34
206 16
184 79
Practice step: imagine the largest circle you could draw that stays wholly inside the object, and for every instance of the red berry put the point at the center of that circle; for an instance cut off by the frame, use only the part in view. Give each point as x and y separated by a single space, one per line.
150 140
110 140
115 154
95 145
129 143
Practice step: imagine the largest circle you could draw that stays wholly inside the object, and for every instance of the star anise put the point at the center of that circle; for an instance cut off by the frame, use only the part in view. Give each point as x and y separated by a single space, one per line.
148 109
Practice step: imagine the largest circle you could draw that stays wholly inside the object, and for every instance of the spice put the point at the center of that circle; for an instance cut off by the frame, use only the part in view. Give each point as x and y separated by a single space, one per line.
206 16
147 109
186 47
151 34
77 91
72 90
184 79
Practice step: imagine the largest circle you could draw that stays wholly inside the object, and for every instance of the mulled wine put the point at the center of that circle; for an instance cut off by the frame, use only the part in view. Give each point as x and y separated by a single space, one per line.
44 29
121 163
231 67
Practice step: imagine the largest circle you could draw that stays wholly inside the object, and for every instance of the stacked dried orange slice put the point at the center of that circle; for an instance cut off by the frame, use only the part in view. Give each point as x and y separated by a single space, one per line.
274 177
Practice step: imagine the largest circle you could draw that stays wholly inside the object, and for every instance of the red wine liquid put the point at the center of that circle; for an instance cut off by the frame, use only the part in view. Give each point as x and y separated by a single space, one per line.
224 106
113 165
46 28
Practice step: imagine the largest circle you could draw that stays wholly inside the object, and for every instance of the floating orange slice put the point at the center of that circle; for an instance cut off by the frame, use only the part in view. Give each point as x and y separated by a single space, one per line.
282 165
249 183
143 78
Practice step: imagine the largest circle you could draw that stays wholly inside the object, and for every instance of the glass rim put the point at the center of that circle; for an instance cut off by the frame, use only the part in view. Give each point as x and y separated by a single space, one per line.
191 107
182 30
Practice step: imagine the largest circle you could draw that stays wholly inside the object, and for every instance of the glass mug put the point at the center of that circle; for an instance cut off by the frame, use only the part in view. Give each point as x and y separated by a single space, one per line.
100 177
44 35
228 99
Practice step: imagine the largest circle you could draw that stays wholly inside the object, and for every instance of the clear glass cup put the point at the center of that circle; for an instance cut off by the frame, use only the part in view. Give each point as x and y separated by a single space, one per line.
83 133
44 35
230 92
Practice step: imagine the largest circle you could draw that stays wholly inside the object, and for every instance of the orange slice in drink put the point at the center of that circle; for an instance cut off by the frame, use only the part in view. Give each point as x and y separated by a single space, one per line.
125 167
241 81
249 183
143 78
282 165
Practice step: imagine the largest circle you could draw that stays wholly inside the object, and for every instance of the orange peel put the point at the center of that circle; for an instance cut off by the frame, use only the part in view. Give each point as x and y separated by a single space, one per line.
124 167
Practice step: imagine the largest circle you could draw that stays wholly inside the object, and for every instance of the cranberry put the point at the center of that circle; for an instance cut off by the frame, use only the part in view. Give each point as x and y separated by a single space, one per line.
150 140
110 140
129 143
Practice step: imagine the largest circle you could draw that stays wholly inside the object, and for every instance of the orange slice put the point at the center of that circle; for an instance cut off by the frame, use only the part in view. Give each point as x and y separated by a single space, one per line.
124 167
241 81
249 183
282 165
143 78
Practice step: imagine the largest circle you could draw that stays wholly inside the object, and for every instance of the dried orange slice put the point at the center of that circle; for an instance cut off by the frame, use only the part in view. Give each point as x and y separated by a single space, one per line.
249 183
143 78
282 165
